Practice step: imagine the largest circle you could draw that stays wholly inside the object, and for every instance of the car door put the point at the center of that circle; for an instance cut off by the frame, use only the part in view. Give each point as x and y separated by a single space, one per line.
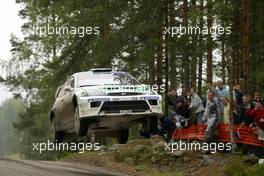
67 104
57 105
58 96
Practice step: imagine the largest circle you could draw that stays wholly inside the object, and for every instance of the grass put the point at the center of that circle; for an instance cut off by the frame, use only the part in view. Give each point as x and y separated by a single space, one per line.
239 168
150 171
15 156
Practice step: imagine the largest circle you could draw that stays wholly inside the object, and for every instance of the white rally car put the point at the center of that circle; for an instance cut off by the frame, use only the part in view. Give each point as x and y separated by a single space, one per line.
103 101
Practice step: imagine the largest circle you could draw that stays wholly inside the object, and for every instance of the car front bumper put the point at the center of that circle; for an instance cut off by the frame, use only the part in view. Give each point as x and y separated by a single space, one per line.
113 106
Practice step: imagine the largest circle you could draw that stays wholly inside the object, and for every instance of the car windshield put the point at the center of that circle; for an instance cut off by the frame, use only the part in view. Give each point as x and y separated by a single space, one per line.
117 78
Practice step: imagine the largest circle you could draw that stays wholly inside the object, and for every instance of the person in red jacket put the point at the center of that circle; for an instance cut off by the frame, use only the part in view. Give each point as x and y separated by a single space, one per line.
258 114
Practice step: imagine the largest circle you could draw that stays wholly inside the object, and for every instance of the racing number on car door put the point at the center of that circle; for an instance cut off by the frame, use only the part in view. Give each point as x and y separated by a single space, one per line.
66 102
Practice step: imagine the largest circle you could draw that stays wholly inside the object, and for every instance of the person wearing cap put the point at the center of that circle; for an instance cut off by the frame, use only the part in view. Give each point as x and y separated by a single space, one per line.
258 114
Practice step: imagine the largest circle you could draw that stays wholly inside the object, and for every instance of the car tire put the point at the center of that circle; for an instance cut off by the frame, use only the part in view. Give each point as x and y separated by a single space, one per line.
150 127
122 136
80 125
57 136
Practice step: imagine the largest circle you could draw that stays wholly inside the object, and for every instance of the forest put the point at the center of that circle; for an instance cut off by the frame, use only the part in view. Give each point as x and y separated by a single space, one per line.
179 44
9 113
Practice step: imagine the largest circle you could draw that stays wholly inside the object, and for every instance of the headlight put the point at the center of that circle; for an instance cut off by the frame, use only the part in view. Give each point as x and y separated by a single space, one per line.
93 92
84 94
98 92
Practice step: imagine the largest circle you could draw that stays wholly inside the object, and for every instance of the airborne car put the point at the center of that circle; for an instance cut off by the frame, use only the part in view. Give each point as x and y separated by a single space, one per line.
103 101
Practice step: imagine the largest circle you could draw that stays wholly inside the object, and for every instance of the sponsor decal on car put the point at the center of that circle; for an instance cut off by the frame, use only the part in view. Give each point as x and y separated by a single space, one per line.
99 99
152 98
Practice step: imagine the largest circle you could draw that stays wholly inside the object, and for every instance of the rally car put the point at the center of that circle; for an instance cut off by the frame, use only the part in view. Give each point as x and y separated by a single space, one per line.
103 101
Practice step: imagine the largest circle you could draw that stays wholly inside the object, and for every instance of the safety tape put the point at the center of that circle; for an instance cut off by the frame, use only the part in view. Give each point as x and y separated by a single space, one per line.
244 134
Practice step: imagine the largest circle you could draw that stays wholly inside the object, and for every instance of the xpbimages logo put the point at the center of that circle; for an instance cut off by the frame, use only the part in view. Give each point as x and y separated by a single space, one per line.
80 31
196 146
53 146
195 30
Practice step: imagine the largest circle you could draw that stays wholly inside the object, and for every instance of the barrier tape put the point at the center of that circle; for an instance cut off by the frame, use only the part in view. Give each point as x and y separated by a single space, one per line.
244 134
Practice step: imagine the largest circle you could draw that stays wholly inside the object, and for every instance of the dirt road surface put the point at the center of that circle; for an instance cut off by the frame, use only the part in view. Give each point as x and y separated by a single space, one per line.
51 168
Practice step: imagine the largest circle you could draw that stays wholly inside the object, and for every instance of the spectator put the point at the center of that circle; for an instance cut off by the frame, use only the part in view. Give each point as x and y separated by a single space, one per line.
237 95
182 108
211 116
243 119
221 93
196 105
173 98
167 127
226 116
210 88
258 114
257 96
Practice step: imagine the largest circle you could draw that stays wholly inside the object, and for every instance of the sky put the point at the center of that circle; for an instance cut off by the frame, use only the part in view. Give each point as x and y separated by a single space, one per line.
10 23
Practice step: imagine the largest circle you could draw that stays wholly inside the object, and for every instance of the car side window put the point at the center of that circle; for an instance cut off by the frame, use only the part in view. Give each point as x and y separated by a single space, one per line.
71 82
57 92
60 92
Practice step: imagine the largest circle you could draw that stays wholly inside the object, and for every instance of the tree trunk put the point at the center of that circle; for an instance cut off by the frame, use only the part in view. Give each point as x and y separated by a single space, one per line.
166 54
194 54
235 43
152 71
186 61
245 43
231 119
223 63
172 51
209 44
200 45
194 73
159 65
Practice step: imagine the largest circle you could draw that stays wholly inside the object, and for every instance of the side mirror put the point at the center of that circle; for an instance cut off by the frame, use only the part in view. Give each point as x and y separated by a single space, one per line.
67 89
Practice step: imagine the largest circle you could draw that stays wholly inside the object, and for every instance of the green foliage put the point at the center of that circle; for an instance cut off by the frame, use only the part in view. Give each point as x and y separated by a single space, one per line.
10 110
258 170
236 169
239 168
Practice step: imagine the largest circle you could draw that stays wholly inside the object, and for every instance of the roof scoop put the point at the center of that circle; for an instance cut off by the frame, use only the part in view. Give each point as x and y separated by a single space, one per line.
101 70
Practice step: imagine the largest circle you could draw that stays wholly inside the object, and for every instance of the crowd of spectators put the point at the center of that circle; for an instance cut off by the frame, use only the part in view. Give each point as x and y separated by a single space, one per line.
189 108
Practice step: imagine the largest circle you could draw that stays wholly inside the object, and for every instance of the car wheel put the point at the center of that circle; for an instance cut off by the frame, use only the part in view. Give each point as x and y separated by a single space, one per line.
81 126
57 136
122 136
150 127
